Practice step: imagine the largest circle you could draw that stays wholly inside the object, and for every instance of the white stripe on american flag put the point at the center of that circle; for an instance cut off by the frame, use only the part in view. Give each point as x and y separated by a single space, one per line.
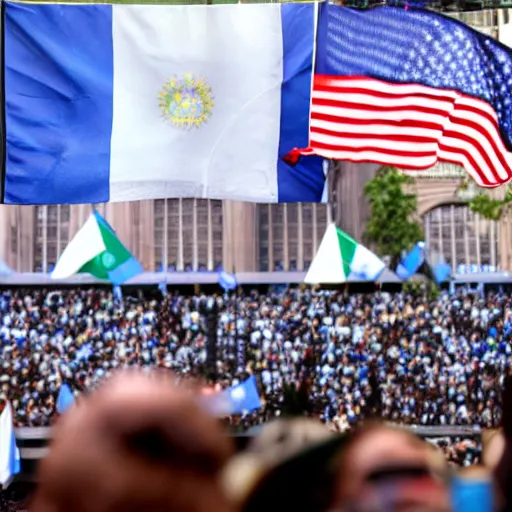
407 125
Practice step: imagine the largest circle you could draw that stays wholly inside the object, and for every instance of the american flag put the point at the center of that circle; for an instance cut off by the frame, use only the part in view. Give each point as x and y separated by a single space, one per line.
409 88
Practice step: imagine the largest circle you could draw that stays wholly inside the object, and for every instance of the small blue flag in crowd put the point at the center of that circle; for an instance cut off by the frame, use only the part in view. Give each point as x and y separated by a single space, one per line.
412 261
416 262
442 272
9 452
118 293
65 399
227 281
235 400
163 288
84 352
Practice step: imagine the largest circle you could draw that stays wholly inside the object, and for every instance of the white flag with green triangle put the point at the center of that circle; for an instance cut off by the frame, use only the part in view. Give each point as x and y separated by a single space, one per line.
96 250
340 258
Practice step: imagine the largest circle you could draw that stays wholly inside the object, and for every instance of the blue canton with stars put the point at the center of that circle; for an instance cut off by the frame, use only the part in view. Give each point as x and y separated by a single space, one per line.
417 46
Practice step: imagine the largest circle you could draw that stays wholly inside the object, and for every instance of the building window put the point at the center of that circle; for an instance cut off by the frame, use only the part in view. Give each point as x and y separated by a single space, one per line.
188 234
289 235
263 216
51 235
460 237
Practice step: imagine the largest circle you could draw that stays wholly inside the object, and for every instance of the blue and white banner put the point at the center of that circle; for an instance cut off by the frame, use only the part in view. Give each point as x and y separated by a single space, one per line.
128 102
9 453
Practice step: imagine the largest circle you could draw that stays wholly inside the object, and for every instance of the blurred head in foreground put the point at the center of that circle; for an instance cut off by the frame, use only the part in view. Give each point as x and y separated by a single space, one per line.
137 444
291 465
384 468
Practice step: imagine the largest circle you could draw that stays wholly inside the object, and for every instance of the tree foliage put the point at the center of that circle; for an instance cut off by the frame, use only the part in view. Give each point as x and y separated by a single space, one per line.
392 227
490 207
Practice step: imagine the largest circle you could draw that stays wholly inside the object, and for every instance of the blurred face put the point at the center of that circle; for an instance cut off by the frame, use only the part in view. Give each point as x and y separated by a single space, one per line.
388 470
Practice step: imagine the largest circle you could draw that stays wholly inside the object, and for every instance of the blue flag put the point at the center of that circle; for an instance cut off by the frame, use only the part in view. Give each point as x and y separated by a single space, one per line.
442 272
84 352
65 399
118 293
163 288
227 281
412 261
235 400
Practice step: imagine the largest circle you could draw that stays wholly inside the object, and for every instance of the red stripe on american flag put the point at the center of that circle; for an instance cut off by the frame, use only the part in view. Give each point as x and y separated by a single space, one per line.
406 125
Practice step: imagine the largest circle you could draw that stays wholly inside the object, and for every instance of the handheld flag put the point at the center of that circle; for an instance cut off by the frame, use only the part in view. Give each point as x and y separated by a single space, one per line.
9 453
442 272
235 400
217 89
412 261
409 88
118 293
163 288
227 281
84 352
418 262
65 399
95 249
340 258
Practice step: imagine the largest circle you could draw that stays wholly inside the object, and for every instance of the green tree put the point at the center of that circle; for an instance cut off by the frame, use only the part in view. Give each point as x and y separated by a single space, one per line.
392 227
487 206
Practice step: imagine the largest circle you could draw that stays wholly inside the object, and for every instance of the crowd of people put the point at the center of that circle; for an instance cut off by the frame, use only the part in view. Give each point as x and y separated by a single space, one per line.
438 362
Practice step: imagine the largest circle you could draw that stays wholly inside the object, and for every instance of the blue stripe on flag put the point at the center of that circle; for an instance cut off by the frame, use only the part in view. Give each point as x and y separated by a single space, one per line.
127 270
305 181
55 53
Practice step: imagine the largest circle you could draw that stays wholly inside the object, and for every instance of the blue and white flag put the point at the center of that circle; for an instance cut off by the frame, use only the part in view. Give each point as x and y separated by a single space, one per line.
227 281
9 453
65 399
235 400
128 102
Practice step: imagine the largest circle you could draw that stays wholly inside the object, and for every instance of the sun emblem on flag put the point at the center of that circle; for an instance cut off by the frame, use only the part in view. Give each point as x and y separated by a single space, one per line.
186 102
108 260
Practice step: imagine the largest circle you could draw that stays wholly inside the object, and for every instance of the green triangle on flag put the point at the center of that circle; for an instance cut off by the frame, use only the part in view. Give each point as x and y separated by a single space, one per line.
96 250
340 258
